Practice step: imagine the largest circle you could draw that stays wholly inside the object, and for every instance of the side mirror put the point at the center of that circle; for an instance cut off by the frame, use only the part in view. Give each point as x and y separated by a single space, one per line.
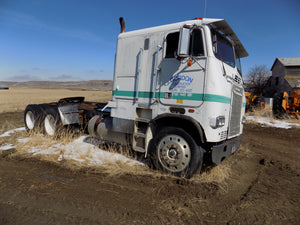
184 42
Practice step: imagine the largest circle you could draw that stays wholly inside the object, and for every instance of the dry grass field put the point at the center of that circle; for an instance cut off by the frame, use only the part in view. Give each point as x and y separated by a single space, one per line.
17 98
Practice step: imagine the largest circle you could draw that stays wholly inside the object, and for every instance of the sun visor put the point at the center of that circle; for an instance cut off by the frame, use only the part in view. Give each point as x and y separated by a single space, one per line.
222 25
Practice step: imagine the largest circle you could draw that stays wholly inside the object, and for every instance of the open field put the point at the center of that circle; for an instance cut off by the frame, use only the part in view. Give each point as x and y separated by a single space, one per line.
17 98
259 184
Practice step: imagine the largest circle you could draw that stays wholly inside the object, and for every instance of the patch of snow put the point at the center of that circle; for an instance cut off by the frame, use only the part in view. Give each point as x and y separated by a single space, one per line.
81 151
23 140
6 147
10 132
272 123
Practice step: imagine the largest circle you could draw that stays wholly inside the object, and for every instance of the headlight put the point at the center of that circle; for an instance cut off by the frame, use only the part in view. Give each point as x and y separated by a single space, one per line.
217 122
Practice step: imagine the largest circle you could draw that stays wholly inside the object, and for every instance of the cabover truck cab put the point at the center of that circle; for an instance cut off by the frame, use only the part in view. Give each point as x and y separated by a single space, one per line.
177 96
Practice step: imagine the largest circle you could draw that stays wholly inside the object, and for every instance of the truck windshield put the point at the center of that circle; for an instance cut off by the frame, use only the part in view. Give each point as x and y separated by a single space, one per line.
223 48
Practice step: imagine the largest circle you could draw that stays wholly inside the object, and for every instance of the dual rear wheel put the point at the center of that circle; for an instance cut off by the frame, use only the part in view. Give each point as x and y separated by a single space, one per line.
42 118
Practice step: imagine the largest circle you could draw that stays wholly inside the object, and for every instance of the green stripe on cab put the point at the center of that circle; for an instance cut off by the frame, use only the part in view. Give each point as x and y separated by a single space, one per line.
185 96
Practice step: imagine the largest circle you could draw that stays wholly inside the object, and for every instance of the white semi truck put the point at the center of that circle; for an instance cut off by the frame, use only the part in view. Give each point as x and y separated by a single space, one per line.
177 96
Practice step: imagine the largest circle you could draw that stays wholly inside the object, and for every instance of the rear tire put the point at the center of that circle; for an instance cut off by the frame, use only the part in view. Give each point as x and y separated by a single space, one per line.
175 152
33 118
52 122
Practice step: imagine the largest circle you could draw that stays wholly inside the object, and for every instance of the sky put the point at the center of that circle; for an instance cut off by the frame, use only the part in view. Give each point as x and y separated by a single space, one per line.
66 40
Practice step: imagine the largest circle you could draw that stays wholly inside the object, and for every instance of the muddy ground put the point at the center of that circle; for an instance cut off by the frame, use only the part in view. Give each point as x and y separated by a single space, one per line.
263 187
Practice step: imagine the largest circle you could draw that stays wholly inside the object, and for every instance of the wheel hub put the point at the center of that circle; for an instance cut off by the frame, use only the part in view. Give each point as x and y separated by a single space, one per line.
174 153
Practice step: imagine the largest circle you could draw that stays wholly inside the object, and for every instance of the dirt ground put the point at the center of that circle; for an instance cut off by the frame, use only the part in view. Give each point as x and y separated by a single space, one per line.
262 186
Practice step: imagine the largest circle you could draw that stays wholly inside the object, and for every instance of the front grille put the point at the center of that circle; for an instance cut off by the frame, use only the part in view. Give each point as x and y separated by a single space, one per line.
236 110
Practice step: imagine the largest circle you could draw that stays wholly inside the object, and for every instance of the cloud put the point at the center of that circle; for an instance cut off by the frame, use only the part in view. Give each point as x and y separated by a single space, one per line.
64 77
97 71
23 78
28 77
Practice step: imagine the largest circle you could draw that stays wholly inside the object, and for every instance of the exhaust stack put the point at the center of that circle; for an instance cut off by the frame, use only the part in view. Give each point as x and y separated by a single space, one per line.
122 23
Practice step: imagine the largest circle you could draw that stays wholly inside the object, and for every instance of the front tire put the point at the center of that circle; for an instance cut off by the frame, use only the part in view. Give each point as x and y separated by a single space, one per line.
176 152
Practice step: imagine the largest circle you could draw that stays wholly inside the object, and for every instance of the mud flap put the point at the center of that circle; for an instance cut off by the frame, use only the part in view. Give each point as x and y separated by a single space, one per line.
69 114
222 151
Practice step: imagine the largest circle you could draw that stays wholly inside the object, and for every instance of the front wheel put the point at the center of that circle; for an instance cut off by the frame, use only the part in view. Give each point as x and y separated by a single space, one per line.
176 152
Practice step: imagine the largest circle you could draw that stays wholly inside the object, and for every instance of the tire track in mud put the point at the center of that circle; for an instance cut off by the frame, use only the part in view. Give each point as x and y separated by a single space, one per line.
278 185
273 195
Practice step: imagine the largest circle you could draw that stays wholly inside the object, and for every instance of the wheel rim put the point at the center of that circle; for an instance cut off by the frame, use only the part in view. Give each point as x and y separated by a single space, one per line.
50 125
174 153
30 120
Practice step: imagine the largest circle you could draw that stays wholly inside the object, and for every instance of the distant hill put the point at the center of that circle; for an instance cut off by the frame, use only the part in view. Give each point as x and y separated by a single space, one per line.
104 85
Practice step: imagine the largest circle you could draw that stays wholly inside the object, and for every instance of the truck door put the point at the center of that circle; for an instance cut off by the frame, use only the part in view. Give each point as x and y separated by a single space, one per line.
145 78
182 84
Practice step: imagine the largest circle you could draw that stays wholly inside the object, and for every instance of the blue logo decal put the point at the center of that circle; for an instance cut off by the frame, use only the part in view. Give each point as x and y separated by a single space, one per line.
180 83
179 78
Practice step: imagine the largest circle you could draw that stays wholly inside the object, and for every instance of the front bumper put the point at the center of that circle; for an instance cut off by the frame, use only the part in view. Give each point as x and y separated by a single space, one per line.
222 151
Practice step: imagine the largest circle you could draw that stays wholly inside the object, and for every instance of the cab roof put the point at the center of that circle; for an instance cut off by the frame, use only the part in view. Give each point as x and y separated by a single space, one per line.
219 24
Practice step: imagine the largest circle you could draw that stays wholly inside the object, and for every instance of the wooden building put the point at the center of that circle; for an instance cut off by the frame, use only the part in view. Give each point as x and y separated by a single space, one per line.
285 77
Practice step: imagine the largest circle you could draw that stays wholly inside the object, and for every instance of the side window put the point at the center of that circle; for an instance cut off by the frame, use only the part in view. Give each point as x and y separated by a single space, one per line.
196 43
223 48
172 44
238 65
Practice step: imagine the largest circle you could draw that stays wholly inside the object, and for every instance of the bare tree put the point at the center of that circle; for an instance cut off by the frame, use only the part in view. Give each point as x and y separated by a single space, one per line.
256 79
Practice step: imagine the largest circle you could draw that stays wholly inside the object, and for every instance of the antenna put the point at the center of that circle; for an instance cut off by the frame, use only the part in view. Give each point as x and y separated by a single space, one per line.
204 16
